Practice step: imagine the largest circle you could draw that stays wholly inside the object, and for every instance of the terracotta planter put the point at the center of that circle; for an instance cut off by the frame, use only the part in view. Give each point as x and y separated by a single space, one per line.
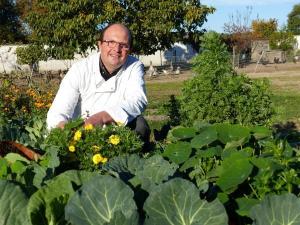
11 146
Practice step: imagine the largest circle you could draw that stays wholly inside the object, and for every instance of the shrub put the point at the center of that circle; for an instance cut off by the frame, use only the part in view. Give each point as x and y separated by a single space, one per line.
218 94
30 55
93 146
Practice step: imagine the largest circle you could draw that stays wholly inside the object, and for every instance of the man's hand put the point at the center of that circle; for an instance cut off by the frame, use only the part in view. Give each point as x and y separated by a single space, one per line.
61 124
99 119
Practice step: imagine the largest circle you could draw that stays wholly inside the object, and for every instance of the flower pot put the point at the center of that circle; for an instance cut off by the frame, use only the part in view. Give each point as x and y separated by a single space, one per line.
11 146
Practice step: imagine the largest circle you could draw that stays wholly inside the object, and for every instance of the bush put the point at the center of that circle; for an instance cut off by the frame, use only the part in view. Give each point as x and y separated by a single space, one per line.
31 55
92 146
218 94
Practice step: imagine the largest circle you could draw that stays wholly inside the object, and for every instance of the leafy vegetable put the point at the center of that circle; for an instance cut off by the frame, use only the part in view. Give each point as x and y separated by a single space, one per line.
282 209
13 204
102 200
177 202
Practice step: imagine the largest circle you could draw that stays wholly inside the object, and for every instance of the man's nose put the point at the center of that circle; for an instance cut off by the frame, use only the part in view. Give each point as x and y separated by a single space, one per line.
118 47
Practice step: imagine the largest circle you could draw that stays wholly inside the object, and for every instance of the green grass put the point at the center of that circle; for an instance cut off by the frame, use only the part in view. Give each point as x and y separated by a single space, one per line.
287 106
158 95
161 92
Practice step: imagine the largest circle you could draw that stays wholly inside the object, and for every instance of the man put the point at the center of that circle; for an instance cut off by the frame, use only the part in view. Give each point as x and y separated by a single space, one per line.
105 88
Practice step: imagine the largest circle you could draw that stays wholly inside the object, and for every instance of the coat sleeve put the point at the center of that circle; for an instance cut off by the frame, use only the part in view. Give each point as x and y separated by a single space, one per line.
66 99
134 99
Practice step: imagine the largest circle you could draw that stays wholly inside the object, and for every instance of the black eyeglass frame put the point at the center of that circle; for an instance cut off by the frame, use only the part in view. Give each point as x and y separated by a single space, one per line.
113 44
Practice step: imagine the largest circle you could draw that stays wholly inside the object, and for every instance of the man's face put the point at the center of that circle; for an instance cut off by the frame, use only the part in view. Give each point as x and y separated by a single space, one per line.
114 47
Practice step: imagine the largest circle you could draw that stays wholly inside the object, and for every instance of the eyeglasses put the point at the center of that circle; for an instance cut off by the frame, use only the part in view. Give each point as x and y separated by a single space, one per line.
113 44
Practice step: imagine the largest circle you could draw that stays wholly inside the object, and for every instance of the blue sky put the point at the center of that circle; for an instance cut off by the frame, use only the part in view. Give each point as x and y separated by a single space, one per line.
262 9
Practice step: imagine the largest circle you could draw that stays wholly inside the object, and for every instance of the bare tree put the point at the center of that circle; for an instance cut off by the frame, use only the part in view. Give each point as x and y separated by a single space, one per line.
238 34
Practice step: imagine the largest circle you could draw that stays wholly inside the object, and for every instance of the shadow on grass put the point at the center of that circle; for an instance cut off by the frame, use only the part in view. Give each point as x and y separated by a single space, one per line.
288 131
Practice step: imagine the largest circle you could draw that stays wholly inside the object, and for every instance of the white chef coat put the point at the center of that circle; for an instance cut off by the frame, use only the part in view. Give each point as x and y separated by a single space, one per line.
83 92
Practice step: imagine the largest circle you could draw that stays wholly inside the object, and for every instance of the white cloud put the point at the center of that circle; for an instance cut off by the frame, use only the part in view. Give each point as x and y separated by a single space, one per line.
246 2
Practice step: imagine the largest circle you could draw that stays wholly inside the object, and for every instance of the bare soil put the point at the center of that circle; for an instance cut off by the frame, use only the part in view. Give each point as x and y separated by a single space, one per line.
283 76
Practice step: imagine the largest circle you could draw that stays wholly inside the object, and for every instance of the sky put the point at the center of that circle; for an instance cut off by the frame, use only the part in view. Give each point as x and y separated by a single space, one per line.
261 9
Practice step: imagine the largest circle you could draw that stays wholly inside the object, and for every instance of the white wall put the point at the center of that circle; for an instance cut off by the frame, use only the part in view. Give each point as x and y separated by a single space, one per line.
8 58
178 53
297 46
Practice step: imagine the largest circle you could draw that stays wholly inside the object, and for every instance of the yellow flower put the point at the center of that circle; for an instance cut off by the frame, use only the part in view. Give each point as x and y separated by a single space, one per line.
72 148
104 160
114 139
96 148
97 158
88 126
119 123
77 135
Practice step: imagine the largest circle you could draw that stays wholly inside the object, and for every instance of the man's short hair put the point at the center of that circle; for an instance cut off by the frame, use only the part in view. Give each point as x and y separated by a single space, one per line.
101 35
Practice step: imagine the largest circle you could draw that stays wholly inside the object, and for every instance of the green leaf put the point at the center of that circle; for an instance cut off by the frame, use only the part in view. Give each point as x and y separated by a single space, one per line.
200 125
126 166
234 133
155 171
184 133
260 132
18 167
13 204
12 157
191 162
46 206
234 170
40 174
207 153
206 137
102 200
223 197
288 150
178 152
245 204
282 209
177 202
50 159
3 167
262 163
210 152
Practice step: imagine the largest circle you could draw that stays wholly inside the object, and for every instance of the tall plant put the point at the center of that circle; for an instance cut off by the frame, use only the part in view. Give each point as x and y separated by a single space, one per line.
218 94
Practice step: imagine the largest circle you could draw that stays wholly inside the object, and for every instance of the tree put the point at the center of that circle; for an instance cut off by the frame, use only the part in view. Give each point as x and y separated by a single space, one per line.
10 26
66 27
283 40
238 33
157 24
69 27
293 23
263 28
